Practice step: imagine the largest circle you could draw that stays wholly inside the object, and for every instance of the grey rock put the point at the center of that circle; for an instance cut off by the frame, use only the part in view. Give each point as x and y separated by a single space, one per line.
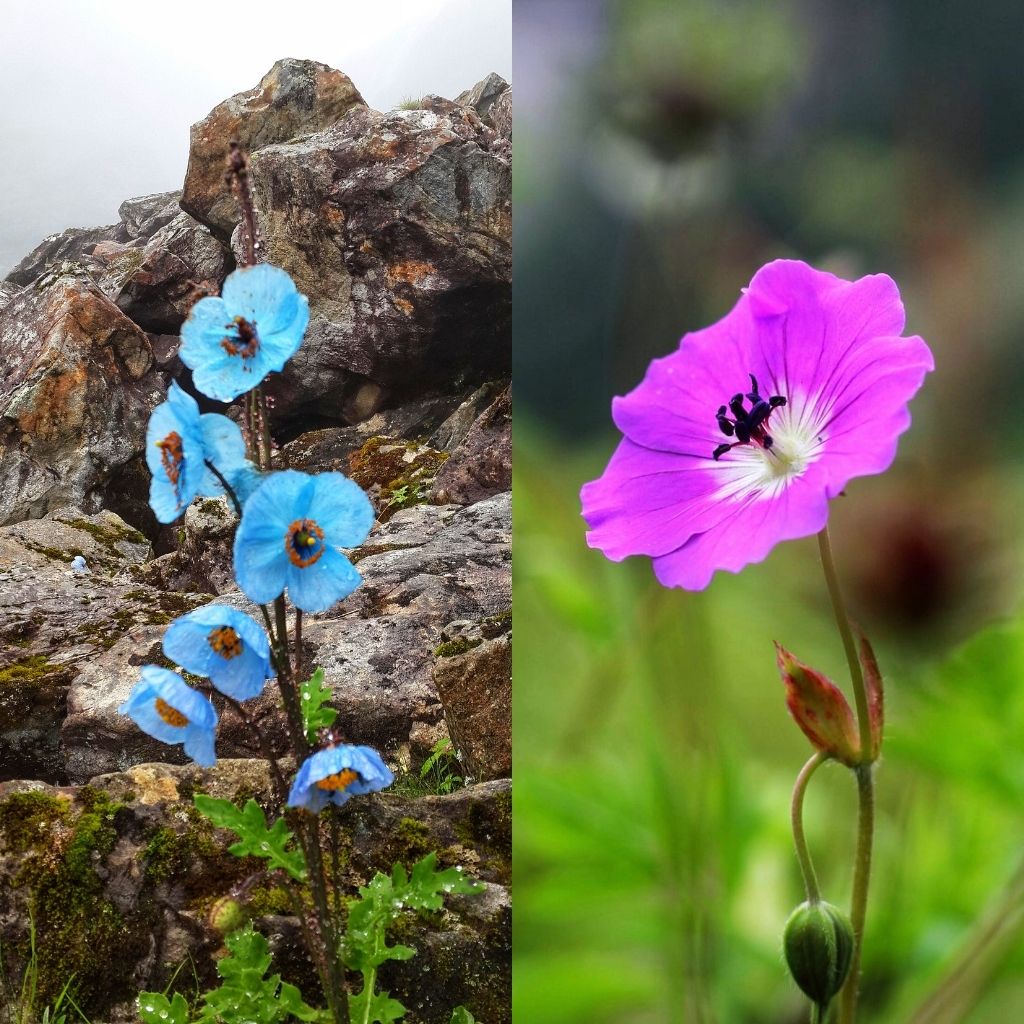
294 98
73 245
53 621
482 96
145 215
482 464
461 571
329 448
8 292
75 398
398 229
157 285
473 678
501 115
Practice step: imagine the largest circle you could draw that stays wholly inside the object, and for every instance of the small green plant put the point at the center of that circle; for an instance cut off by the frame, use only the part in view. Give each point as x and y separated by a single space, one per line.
438 770
380 904
313 695
245 995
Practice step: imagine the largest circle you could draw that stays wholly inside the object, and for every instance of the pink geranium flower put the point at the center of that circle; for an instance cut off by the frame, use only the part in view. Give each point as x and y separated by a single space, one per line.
738 439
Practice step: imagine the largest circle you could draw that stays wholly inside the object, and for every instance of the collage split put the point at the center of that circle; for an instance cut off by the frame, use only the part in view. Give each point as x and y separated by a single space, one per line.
264 519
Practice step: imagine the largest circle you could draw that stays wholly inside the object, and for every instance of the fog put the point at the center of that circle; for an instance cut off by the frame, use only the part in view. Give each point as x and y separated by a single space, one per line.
99 96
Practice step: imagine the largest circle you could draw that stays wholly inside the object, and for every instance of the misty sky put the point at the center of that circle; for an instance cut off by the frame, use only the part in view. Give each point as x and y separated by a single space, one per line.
99 95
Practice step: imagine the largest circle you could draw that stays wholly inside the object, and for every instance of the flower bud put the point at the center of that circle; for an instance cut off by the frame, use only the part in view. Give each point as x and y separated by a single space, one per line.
820 709
227 915
818 943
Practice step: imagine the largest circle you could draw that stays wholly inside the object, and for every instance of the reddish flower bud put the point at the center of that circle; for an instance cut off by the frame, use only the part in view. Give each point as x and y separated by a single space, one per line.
876 699
820 709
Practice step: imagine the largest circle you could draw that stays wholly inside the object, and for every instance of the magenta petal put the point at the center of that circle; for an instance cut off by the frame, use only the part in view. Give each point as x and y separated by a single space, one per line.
747 535
648 502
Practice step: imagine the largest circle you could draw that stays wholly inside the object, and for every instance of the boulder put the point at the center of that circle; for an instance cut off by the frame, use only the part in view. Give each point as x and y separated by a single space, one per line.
72 246
398 228
482 464
74 400
473 678
157 285
295 97
143 216
483 96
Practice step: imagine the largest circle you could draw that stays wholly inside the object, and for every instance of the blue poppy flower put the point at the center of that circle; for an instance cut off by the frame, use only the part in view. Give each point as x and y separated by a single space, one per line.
290 531
179 442
231 343
225 644
165 707
333 775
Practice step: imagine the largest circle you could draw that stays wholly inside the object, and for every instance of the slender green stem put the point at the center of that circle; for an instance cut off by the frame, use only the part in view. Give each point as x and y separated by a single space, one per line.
803 854
861 879
865 786
860 692
816 1015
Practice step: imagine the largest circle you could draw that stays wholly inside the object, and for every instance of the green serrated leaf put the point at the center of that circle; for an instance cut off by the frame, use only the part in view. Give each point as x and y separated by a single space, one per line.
245 995
254 838
313 696
155 1008
382 1008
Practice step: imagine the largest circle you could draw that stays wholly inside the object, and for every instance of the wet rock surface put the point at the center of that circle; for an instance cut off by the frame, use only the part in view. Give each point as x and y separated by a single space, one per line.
398 227
127 872
75 397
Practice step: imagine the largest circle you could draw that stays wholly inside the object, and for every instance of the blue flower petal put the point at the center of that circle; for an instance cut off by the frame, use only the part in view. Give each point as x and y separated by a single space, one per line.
224 446
342 509
265 295
328 580
178 415
189 642
373 775
159 683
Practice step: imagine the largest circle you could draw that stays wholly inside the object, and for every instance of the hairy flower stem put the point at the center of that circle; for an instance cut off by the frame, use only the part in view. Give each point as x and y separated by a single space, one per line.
803 854
865 785
237 177
264 418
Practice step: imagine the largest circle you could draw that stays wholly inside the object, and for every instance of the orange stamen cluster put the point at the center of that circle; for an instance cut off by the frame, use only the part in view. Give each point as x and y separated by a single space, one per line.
171 456
172 716
225 642
245 343
304 543
339 780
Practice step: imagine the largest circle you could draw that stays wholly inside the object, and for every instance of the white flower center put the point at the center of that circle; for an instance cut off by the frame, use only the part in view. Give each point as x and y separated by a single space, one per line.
750 472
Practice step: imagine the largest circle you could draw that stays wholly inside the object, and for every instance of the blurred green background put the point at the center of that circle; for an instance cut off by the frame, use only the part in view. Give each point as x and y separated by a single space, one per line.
665 151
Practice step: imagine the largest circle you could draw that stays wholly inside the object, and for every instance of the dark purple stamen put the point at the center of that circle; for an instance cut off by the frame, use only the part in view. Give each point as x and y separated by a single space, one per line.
747 425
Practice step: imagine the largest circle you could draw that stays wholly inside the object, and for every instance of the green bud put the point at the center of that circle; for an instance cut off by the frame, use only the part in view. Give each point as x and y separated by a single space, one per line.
226 915
818 942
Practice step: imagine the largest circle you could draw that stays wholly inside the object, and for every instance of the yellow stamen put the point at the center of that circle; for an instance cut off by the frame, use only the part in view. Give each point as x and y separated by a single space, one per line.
172 716
339 780
226 642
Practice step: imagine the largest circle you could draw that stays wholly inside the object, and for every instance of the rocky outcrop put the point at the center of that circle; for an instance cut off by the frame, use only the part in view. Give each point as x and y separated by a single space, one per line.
54 620
428 566
294 98
156 285
398 228
75 397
